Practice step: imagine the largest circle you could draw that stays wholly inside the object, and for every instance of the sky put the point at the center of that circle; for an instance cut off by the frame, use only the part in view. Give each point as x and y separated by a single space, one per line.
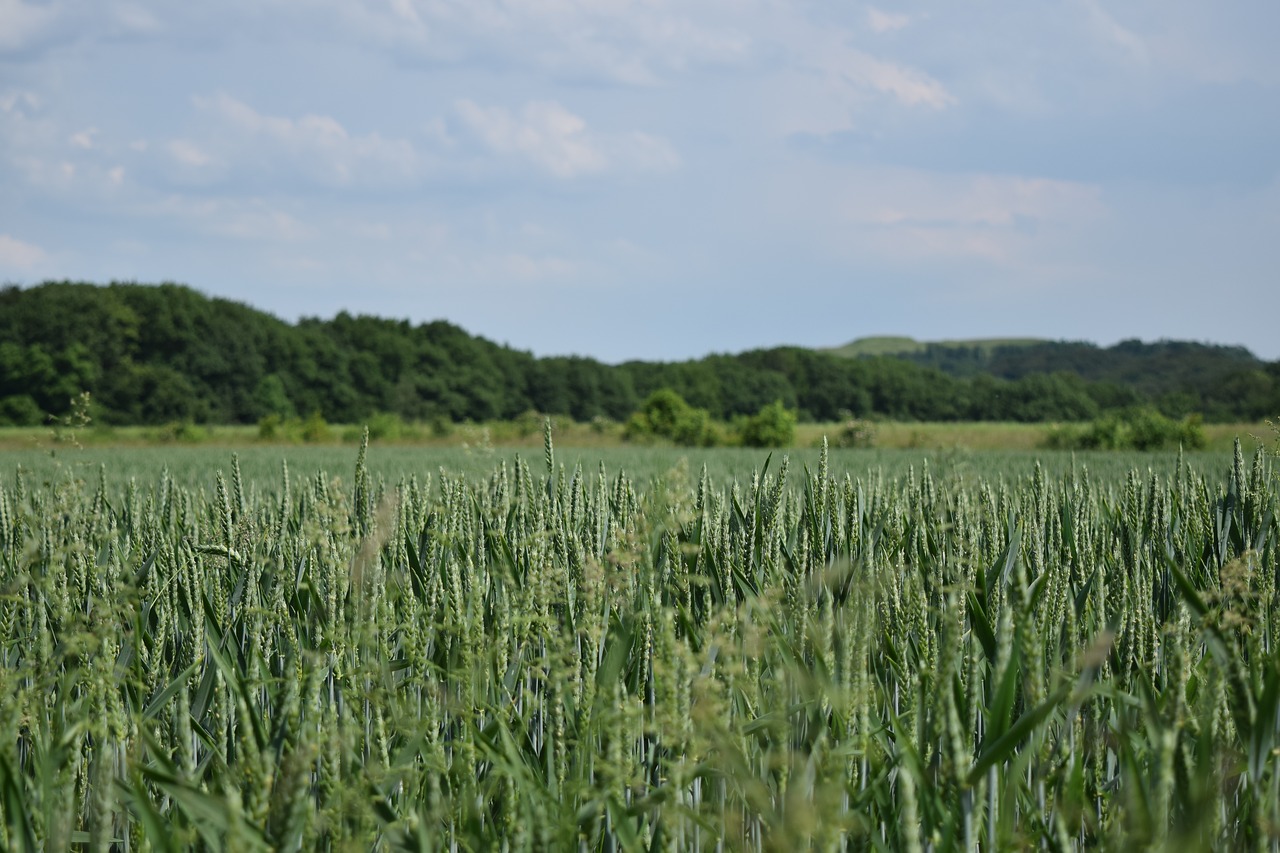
660 179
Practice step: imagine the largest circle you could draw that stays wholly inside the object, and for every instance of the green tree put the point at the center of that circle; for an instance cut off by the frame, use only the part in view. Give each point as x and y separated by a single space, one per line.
272 398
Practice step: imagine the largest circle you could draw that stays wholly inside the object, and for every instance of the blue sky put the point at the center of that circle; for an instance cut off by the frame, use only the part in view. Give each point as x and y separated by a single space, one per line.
660 179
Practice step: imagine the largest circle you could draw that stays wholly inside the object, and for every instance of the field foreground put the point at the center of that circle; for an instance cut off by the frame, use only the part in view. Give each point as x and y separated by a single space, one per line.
542 656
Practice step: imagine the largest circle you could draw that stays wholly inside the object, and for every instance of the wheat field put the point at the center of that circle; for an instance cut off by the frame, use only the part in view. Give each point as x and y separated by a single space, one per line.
550 656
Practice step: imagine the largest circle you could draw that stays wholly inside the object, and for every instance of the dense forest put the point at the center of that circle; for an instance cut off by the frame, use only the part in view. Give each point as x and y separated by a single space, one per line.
166 353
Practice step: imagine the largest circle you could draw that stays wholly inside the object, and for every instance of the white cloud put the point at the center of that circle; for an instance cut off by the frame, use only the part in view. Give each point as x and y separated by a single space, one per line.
19 101
636 42
883 22
908 85
827 83
82 180
1216 43
245 219
629 41
136 18
558 141
543 132
188 153
643 152
260 223
910 197
1109 30
521 267
910 218
31 28
83 138
318 146
22 23
17 254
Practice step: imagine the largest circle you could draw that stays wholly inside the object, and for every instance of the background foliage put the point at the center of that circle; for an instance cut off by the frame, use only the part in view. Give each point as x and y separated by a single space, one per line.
161 354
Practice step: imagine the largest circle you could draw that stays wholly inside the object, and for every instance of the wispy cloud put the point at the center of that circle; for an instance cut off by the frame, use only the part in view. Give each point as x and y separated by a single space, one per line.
1109 30
544 132
914 219
557 141
248 220
909 85
18 102
238 139
20 255
523 268
188 153
637 42
29 28
916 198
835 78
83 138
884 22
21 24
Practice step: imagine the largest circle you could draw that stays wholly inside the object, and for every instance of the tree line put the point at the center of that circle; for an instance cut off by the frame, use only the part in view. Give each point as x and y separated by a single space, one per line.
165 353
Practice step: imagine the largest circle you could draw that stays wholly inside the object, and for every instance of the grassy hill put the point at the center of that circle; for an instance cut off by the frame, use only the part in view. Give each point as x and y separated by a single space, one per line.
1180 377
902 345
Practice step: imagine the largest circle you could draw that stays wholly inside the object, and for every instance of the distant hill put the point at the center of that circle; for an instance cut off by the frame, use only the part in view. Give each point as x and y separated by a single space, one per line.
901 345
1183 376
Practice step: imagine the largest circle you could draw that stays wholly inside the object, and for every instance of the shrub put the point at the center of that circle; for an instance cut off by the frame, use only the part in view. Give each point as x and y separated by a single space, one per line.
665 414
269 427
312 430
20 410
315 429
855 432
529 422
1131 429
440 426
385 426
1150 430
773 426
182 432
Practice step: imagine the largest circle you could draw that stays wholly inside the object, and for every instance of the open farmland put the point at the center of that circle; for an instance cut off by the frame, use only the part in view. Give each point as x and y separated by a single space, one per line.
620 650
260 467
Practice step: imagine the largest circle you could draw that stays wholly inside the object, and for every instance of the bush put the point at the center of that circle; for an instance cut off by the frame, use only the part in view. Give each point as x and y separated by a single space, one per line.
385 426
1131 429
269 427
529 423
665 414
772 426
315 429
20 410
182 432
855 433
1150 430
